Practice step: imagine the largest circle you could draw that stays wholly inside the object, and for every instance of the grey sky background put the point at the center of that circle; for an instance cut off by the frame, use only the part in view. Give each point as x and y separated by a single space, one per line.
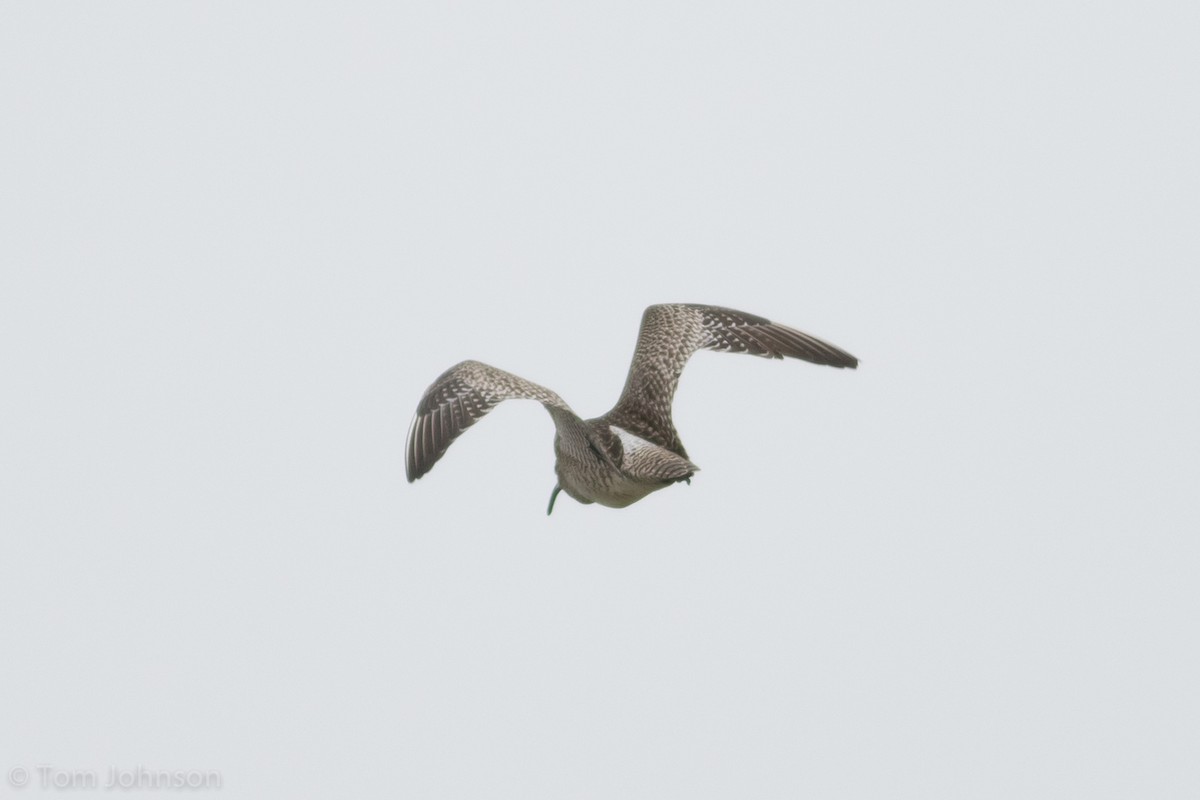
239 240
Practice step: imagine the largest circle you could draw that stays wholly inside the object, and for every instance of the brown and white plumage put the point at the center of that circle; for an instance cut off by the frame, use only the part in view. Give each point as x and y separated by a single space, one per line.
457 400
668 337
634 449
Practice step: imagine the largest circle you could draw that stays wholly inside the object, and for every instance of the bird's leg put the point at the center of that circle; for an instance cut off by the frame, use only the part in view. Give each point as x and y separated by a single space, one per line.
553 496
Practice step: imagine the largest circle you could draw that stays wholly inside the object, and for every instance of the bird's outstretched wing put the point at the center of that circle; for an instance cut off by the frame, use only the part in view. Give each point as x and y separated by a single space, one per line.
668 337
456 401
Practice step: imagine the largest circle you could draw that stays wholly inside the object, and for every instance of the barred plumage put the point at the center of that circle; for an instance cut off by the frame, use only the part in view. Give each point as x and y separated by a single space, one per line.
634 449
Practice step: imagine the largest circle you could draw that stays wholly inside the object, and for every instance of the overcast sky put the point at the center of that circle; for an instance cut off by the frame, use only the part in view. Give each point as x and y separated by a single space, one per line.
239 240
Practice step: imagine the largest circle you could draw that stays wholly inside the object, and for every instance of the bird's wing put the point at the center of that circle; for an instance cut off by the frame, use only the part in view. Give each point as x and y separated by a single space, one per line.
668 337
457 400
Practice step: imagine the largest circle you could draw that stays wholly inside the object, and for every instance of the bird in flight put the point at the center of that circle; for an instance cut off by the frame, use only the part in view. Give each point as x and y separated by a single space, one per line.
633 450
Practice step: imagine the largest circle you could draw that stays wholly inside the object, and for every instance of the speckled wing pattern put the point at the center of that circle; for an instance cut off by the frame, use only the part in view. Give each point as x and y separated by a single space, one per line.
458 399
668 337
